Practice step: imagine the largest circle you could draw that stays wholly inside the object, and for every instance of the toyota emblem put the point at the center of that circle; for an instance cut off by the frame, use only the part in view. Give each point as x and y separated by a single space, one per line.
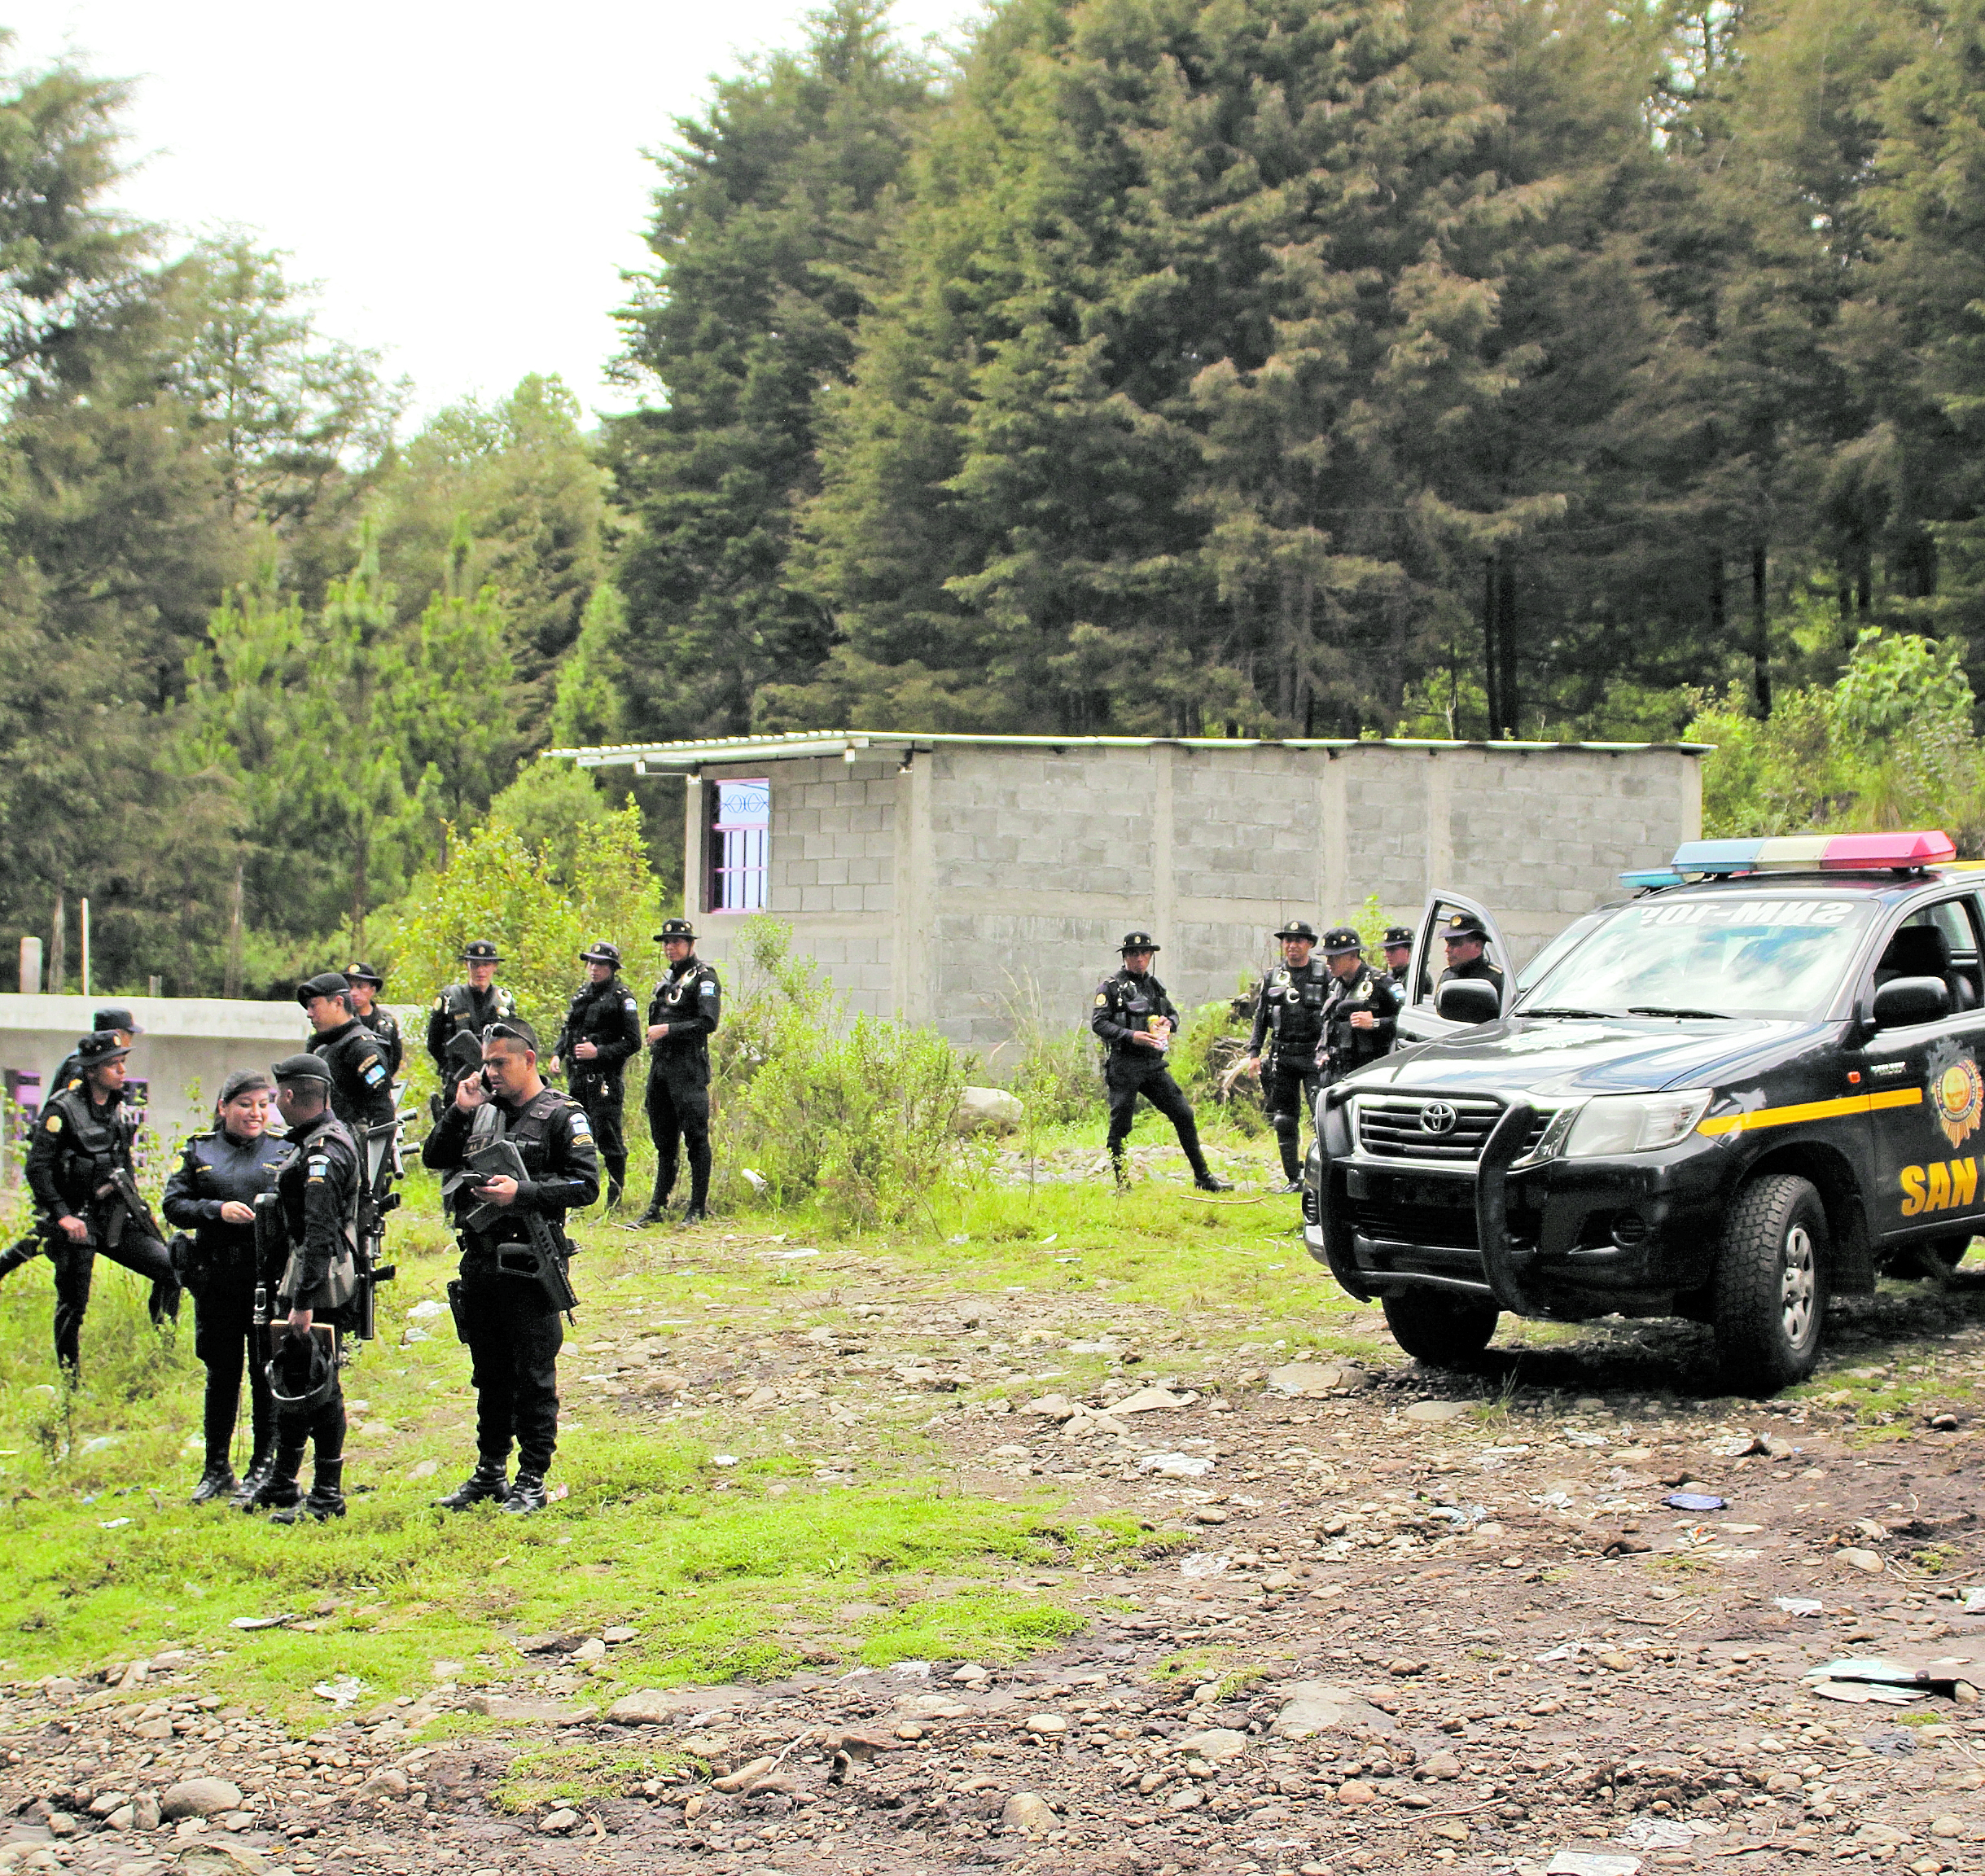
1438 1117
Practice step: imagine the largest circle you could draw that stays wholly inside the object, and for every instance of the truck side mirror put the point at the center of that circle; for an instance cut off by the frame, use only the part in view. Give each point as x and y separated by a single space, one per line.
1468 999
1904 1001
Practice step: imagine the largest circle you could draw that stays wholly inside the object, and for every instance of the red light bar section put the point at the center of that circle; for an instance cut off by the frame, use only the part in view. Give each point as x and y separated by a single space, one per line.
1859 852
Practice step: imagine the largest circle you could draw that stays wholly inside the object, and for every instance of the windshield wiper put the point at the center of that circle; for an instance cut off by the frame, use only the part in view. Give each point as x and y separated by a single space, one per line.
1650 1010
1556 1009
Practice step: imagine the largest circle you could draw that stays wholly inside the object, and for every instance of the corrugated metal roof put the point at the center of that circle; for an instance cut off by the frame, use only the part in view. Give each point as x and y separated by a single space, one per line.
852 743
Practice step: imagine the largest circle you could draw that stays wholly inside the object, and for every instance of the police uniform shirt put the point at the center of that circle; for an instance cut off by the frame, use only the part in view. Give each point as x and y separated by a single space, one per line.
1125 1005
1368 991
554 1140
607 1015
459 1009
216 1168
690 1000
361 1092
318 1187
73 1134
1290 1005
385 1028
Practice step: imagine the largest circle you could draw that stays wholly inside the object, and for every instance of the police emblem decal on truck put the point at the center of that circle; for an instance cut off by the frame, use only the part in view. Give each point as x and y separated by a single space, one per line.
1957 1092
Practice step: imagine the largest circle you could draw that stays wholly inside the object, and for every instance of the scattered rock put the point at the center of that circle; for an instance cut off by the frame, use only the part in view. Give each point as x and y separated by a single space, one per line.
1357 1791
198 1798
388 1782
1046 1725
1314 1707
1316 1380
1436 1412
559 1822
1151 1401
1867 1561
1216 1745
743 1778
1029 1812
648 1707
992 1110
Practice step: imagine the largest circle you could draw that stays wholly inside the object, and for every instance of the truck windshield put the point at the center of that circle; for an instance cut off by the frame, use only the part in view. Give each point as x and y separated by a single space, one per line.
1715 956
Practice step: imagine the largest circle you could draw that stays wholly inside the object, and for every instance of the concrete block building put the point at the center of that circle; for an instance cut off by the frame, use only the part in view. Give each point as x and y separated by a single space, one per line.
951 879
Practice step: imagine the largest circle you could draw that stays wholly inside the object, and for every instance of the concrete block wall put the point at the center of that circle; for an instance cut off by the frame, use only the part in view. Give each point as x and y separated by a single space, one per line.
831 865
987 879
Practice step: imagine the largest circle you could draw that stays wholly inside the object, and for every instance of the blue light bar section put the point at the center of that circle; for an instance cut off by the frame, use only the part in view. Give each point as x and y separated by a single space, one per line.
1652 876
1716 856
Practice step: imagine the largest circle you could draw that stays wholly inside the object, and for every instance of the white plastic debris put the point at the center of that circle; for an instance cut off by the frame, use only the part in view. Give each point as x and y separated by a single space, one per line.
426 1310
723 1459
342 1693
112 1523
754 1178
1204 1563
1175 1465
1798 1605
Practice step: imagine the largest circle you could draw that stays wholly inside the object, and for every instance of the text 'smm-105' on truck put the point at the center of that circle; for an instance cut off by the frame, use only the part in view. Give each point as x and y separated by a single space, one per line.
1729 1098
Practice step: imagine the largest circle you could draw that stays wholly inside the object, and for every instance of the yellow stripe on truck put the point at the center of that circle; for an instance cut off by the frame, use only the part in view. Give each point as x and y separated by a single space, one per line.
1810 1111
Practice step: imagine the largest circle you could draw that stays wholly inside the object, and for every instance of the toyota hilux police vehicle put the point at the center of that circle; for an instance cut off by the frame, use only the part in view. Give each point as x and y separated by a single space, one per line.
1727 1098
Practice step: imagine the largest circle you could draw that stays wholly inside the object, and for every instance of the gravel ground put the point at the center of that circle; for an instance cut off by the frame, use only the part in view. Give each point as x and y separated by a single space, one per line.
1419 1623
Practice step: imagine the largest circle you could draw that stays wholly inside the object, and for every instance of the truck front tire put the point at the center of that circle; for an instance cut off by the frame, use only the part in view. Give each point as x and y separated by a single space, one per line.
1769 1295
1441 1329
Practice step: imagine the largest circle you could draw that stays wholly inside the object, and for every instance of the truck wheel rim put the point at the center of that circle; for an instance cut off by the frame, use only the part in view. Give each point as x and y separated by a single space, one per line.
1799 1286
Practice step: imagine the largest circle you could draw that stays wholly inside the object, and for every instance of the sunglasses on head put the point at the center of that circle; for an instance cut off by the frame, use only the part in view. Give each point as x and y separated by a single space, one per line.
506 1032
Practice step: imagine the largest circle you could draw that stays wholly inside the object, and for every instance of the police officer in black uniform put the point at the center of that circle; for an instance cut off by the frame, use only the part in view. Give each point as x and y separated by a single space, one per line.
682 1016
466 1009
308 1272
1399 955
212 1193
1289 1009
28 1247
600 1034
1360 1022
361 1083
512 1331
85 1192
1135 1019
1464 934
366 985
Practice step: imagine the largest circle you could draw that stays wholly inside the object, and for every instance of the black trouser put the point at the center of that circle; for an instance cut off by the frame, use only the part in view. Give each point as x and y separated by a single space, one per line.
514 1343
75 1263
679 1109
322 1428
224 1339
1286 1095
1125 1081
604 1099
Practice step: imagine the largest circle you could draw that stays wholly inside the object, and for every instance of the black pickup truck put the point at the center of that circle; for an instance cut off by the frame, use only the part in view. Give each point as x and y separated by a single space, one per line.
1741 1092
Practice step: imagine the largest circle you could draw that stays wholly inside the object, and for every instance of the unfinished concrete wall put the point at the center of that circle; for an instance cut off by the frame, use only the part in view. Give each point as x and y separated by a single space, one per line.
832 862
984 881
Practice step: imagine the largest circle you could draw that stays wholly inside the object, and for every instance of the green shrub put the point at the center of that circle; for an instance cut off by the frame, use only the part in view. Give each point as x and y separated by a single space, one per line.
855 1115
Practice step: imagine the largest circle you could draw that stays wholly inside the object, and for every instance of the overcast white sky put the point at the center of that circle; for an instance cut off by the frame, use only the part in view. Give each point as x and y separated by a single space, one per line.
466 182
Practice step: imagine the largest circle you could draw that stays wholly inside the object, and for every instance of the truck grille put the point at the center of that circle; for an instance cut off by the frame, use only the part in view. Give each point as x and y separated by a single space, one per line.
1451 1227
1394 1126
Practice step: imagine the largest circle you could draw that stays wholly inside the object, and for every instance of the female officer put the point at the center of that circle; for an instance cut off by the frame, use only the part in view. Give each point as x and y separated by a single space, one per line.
213 1194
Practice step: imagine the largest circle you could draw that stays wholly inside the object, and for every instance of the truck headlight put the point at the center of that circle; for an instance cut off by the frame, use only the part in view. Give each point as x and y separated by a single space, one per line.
1635 1123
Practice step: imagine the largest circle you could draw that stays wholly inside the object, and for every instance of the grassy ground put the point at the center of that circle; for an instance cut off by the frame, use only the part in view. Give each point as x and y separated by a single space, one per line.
705 1527
739 1527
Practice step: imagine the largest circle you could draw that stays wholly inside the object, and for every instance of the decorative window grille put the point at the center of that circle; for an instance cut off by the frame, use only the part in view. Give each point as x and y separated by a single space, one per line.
740 834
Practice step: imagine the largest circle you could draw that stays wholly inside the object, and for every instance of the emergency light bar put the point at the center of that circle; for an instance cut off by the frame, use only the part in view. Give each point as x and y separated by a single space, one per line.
1907 852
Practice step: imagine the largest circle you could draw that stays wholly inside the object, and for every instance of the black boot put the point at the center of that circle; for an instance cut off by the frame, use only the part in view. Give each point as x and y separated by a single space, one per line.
218 1481
696 1215
252 1480
278 1489
614 1188
487 1482
1208 1181
528 1494
326 1498
1120 1168
656 1214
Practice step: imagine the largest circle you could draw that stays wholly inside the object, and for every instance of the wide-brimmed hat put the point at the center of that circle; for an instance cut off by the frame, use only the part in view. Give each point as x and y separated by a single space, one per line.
481 951
1299 928
1340 941
1396 936
365 973
99 1046
602 954
675 928
1139 941
1463 925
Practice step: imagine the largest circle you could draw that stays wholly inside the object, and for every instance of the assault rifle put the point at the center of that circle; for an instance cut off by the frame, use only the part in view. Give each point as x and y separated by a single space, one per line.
543 1259
379 1163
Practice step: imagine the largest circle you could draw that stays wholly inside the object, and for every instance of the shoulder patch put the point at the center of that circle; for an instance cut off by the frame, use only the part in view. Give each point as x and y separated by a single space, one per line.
53 1123
373 1072
440 1004
709 987
1103 997
581 1126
